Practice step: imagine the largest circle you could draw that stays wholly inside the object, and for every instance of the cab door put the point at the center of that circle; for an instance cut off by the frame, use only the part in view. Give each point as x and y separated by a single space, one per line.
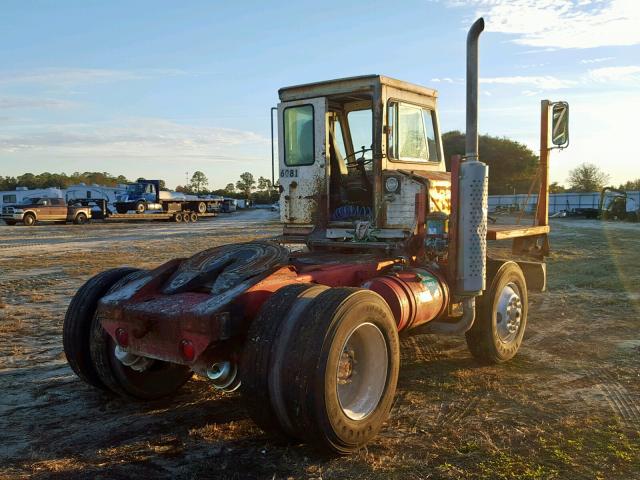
302 148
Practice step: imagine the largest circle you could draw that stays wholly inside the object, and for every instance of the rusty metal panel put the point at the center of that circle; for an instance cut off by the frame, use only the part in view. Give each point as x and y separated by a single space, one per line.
304 186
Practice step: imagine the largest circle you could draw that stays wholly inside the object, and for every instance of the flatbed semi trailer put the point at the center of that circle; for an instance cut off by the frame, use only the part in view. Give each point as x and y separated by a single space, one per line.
184 215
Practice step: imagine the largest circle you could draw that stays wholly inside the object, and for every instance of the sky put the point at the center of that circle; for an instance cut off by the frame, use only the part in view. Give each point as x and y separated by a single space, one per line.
160 89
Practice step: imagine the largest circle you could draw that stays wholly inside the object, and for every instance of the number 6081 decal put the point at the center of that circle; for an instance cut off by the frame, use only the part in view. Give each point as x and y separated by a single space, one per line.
289 173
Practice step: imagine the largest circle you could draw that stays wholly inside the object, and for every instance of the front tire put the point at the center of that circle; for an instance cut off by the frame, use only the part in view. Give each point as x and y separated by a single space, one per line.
140 207
341 373
202 208
501 317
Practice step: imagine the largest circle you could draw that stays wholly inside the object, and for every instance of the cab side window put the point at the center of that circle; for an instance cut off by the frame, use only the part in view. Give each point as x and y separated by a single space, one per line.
412 134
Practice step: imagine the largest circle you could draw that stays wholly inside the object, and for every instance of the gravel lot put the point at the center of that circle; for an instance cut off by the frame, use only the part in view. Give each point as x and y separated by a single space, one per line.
568 406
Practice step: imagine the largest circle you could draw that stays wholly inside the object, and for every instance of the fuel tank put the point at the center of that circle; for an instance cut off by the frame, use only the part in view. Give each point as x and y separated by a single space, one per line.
415 295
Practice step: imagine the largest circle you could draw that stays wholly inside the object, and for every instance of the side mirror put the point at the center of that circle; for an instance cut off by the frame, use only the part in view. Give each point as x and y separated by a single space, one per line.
560 124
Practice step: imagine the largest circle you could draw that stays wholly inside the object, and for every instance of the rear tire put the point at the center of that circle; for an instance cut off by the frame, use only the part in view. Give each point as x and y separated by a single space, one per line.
178 217
76 328
501 317
90 350
256 354
29 219
121 209
342 369
81 219
193 217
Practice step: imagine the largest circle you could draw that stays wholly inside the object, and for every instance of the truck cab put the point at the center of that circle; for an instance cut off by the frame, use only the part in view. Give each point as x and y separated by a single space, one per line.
359 150
33 210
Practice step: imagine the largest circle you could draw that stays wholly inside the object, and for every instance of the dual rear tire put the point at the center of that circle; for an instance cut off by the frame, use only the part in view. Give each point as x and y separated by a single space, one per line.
321 365
90 350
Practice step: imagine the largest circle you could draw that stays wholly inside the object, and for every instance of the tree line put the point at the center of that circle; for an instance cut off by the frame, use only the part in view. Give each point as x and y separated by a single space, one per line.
247 187
512 166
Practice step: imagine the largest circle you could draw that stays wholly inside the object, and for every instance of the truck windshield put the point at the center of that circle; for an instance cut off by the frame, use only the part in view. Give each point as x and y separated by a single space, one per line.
29 201
135 188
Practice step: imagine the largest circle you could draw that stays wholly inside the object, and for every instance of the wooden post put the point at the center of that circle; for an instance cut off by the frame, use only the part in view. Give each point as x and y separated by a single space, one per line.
543 194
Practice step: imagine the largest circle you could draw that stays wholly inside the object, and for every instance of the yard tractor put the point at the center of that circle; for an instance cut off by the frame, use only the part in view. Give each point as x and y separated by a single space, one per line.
388 242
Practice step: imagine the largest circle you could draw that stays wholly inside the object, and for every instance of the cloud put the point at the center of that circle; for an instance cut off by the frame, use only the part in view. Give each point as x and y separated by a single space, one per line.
625 75
562 24
596 60
66 77
447 80
136 138
546 82
7 103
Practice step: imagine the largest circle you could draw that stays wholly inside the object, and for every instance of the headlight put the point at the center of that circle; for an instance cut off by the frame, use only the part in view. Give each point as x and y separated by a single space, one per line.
391 184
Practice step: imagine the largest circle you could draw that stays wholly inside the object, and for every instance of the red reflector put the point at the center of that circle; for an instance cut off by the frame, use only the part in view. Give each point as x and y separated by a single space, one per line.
188 350
122 337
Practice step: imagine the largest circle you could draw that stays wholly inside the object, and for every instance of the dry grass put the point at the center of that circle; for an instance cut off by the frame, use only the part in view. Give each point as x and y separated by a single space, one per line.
565 407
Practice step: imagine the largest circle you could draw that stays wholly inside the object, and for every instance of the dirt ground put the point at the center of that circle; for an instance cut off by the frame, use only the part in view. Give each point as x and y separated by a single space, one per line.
568 406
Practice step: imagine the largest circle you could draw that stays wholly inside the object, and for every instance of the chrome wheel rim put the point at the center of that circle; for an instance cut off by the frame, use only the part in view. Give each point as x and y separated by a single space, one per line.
361 373
508 313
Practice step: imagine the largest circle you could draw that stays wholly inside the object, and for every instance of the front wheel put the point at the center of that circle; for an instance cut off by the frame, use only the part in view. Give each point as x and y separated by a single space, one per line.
341 373
140 207
501 317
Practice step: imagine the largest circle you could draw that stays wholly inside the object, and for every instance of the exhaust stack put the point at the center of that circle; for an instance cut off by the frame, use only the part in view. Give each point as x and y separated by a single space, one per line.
473 188
471 139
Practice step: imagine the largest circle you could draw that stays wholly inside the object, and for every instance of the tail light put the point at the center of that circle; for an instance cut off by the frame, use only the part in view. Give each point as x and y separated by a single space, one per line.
187 350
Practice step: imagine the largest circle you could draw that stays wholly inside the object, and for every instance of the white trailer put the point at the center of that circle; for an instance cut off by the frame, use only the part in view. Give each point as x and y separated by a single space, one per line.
11 197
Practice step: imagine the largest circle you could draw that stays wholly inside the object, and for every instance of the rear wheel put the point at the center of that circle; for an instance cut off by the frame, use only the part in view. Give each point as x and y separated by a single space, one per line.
193 217
81 218
178 217
91 352
501 317
342 369
29 219
121 209
256 357
76 328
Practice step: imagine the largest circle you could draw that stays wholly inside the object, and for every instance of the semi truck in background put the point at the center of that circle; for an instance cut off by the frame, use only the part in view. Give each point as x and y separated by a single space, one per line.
145 195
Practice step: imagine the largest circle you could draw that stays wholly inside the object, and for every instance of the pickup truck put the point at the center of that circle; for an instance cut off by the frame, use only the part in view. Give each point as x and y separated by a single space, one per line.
33 210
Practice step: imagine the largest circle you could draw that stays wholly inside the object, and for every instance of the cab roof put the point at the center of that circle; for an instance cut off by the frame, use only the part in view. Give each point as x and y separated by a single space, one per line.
359 84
